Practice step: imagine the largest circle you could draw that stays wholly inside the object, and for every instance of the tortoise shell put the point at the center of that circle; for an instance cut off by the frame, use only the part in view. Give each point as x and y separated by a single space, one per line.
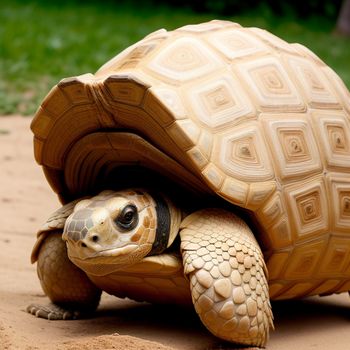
228 110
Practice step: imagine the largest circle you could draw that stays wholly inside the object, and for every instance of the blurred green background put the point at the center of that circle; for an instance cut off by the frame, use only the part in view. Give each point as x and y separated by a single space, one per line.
43 41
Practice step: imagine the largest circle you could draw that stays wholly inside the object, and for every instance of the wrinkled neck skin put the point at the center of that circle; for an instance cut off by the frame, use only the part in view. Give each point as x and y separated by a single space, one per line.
117 229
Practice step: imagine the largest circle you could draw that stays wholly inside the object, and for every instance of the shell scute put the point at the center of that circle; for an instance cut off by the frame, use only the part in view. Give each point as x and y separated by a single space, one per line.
183 59
126 89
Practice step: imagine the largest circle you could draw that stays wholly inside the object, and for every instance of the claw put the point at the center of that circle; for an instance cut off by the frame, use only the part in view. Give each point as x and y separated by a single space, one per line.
52 312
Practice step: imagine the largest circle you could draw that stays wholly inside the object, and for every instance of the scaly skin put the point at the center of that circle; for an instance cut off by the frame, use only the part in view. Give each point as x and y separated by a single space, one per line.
226 269
71 292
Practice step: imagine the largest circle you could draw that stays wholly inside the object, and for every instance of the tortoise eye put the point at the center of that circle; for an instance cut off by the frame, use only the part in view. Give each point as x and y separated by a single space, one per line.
128 218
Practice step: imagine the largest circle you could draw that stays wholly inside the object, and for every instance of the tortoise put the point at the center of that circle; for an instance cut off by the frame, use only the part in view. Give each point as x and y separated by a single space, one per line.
206 165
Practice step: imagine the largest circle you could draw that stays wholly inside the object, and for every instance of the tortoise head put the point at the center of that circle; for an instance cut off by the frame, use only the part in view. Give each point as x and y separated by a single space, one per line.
118 229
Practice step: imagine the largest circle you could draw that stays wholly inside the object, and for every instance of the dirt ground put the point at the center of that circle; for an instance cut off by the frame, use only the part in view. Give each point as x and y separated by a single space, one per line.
25 202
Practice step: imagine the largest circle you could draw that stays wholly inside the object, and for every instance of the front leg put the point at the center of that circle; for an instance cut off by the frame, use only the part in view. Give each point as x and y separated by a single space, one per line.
71 292
227 274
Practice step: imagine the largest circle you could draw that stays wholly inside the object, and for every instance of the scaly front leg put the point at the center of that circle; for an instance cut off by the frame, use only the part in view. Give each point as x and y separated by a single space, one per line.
227 274
72 294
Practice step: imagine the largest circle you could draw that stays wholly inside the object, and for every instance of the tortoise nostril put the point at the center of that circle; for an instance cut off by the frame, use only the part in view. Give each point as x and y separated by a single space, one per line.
95 238
83 245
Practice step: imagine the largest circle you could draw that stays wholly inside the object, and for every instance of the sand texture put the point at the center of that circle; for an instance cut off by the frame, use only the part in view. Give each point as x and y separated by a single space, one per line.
26 201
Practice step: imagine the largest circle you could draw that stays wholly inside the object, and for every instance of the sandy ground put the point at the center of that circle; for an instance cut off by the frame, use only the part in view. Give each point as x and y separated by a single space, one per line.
26 201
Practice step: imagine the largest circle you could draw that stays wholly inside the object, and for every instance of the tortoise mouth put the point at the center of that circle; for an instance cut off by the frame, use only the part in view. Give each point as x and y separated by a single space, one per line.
84 253
105 260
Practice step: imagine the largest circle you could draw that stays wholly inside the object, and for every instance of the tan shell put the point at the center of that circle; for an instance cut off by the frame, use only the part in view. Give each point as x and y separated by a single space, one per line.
237 111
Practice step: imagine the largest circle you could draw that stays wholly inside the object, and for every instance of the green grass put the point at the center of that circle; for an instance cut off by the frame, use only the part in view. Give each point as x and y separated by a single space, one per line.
40 43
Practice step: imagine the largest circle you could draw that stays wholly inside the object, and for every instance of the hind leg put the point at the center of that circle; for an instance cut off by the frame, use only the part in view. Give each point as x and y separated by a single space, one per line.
225 267
71 292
